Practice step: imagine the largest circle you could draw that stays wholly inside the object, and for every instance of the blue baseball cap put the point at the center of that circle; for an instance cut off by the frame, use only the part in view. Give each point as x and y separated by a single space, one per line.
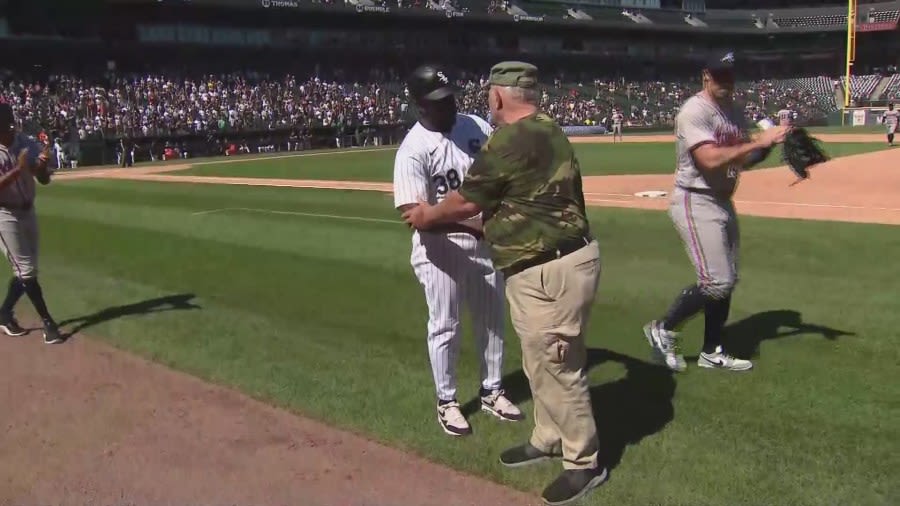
720 62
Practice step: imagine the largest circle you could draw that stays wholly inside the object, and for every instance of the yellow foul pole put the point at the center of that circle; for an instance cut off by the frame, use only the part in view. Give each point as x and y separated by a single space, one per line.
851 49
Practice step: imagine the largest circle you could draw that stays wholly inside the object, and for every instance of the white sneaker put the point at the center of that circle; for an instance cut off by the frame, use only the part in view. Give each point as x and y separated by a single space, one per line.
498 405
665 346
722 360
452 420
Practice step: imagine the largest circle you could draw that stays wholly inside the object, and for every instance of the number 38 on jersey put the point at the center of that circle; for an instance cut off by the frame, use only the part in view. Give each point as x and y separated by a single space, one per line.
444 183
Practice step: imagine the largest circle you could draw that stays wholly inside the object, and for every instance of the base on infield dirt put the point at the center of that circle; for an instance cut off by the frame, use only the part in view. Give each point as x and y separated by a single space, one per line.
653 194
112 428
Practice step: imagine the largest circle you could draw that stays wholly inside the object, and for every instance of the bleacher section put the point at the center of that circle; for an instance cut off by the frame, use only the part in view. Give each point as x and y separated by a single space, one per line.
812 21
892 91
884 17
862 87
827 17
820 88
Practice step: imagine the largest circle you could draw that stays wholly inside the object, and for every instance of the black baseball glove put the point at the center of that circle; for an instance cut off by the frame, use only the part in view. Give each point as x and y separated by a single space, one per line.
800 152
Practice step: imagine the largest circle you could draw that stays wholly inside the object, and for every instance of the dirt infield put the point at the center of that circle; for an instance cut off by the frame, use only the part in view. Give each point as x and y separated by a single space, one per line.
858 188
86 424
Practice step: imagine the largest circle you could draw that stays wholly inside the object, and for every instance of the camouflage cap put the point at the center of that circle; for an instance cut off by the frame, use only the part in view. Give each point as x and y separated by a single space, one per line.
514 73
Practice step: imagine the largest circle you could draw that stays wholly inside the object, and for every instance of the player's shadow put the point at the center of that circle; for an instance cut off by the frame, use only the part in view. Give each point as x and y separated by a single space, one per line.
626 410
743 338
177 302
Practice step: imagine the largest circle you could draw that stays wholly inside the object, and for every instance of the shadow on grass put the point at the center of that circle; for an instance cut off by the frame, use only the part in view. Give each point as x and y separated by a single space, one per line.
640 404
626 410
742 338
177 302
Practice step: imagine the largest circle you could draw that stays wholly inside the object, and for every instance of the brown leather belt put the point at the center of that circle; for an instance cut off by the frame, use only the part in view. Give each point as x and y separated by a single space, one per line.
561 250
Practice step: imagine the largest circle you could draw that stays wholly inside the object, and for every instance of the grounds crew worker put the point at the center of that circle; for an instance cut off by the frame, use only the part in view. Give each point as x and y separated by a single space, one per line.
527 183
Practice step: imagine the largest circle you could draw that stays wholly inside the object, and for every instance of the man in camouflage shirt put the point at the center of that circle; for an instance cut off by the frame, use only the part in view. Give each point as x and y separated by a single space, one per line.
526 182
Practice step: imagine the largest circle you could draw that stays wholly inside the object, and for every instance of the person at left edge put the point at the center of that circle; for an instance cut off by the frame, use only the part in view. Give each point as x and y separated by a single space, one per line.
22 161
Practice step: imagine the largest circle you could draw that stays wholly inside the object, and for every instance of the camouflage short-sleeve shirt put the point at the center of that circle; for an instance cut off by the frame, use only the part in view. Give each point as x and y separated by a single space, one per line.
527 182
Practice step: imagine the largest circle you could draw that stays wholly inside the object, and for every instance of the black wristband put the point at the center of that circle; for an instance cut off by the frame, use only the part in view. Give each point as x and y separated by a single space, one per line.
758 155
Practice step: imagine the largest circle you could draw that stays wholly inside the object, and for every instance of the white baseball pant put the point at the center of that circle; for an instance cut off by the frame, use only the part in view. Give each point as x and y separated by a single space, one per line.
450 268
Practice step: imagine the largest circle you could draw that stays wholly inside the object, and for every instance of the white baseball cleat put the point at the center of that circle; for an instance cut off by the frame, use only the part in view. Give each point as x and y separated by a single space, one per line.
722 360
452 420
665 346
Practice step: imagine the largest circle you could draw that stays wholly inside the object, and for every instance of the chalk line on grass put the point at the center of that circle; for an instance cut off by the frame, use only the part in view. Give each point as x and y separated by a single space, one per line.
294 213
238 159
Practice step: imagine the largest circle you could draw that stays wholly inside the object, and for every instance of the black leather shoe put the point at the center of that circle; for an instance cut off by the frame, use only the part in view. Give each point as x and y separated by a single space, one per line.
524 455
572 485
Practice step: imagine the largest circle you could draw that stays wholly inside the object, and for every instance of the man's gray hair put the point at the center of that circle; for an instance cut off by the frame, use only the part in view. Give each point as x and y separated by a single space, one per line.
528 95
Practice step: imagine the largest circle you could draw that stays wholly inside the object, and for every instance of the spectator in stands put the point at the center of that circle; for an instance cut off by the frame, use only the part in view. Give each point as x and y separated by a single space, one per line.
171 104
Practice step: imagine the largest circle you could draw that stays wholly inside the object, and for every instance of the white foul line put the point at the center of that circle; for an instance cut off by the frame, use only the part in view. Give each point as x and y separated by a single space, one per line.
295 213
749 202
238 159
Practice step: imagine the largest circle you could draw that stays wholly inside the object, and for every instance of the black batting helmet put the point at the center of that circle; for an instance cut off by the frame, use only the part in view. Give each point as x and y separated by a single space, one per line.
430 82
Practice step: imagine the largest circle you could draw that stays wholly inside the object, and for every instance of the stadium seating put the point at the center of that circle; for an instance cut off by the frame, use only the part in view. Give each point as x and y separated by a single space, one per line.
883 16
862 87
171 103
815 91
812 21
892 91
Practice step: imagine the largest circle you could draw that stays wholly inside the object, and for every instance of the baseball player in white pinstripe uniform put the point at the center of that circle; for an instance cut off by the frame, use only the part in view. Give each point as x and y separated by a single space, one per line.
452 264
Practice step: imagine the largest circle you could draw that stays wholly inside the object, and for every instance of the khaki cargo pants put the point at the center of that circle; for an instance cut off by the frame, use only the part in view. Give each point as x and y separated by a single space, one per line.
550 307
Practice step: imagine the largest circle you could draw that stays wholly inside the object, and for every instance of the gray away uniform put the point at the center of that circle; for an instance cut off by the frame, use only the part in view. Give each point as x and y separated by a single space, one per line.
701 206
18 223
19 231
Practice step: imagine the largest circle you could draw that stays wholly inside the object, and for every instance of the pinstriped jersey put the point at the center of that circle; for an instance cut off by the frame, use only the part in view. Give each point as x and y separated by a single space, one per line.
22 190
429 164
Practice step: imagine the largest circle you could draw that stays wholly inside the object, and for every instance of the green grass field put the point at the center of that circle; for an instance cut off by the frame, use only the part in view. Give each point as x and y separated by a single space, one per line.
377 164
323 316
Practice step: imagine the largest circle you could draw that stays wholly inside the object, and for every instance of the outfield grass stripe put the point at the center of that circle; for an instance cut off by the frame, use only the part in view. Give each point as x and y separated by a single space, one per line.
294 213
325 317
376 165
307 239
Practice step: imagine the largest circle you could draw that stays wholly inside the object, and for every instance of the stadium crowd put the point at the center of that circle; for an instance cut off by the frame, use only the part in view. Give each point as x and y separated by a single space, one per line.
151 105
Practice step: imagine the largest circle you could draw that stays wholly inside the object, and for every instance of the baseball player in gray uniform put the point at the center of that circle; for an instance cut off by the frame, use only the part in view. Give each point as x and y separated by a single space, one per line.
22 160
712 146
